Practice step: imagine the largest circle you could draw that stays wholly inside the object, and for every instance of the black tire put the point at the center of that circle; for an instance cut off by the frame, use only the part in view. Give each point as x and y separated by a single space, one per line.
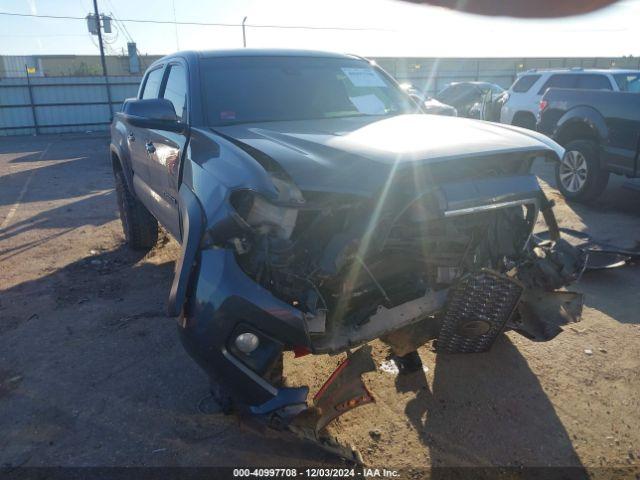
222 396
139 226
225 398
524 120
275 373
581 162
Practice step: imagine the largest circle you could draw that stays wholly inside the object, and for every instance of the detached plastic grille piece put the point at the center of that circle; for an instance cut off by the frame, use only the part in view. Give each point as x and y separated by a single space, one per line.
477 310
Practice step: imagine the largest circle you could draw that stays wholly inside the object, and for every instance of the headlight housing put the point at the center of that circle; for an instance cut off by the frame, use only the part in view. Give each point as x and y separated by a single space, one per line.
275 217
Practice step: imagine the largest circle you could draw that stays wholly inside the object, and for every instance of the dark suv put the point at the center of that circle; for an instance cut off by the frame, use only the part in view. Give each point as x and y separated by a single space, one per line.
317 210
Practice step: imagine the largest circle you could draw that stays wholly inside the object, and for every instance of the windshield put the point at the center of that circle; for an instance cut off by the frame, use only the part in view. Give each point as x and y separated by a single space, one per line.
458 94
628 82
256 89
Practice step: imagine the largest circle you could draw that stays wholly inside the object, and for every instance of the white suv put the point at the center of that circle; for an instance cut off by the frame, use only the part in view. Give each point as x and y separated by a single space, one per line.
522 103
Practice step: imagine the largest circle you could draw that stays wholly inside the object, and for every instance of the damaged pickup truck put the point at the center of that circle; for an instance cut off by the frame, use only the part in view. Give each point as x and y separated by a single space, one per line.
318 209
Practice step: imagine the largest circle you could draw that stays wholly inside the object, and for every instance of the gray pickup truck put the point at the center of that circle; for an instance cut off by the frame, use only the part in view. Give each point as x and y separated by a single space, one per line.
600 131
318 210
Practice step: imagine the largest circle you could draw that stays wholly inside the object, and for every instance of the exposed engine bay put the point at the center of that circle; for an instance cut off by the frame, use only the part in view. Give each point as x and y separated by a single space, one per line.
360 269
350 231
452 261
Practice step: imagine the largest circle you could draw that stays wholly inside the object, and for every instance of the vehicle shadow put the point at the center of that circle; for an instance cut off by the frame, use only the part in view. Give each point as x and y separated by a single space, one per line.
60 180
88 211
25 149
98 375
611 219
486 410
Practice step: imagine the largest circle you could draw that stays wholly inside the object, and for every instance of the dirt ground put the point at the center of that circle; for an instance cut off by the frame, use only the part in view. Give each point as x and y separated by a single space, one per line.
92 372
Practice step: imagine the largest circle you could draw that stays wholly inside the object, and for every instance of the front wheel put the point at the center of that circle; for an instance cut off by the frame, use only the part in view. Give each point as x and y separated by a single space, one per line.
578 175
524 120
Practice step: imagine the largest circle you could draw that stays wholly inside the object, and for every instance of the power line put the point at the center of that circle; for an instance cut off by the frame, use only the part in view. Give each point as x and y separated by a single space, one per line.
175 23
41 35
124 27
126 32
207 24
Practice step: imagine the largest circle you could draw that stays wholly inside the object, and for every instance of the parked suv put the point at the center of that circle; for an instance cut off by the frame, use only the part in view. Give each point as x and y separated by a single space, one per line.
521 106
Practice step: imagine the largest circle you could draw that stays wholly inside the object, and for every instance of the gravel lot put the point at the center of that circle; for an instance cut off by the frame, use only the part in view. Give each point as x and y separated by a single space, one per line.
92 372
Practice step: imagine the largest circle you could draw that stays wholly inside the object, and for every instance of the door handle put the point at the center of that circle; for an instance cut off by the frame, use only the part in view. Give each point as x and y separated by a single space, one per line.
150 147
131 137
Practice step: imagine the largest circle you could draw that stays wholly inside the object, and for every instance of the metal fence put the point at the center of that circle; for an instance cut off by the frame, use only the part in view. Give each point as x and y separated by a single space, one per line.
40 105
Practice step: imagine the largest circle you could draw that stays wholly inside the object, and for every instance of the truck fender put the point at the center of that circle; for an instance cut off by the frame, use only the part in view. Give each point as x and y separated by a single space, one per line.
582 117
117 155
192 217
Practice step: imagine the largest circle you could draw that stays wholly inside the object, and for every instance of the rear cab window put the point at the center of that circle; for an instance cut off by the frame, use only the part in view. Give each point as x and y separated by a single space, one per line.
628 82
524 83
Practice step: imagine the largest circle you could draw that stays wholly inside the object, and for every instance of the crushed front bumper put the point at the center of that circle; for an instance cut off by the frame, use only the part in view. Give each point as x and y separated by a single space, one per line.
223 301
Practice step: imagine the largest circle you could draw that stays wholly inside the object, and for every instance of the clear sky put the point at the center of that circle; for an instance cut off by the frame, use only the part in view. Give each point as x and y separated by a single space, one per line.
397 28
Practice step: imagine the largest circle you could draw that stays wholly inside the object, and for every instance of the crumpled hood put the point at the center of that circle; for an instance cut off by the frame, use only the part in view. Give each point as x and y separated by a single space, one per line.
358 154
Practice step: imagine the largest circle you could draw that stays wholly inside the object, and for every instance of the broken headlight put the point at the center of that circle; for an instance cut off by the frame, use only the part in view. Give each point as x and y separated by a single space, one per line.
274 217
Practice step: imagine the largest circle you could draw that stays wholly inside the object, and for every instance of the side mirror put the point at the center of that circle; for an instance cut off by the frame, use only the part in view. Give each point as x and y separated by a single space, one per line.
155 113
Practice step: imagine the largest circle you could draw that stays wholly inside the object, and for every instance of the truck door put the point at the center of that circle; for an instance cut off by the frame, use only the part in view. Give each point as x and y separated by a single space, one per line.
135 139
621 112
165 149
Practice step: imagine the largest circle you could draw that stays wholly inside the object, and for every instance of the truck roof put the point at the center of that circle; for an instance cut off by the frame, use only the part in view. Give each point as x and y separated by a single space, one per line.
254 52
192 56
270 52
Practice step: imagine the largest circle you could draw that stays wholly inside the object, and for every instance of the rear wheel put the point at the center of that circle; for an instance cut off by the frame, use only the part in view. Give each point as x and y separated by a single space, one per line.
578 175
524 120
139 226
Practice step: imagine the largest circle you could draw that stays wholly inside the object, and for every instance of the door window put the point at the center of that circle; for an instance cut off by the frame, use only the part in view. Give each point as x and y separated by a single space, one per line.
524 83
628 82
561 80
175 90
152 84
593 82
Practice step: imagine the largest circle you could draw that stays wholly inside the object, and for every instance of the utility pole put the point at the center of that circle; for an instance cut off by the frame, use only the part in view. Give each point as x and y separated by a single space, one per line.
244 36
102 59
31 102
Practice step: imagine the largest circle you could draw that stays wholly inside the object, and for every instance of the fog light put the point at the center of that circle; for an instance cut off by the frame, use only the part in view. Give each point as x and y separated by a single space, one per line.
247 342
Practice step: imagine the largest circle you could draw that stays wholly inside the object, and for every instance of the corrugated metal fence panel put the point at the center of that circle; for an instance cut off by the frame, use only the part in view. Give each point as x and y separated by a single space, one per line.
15 117
61 104
18 95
